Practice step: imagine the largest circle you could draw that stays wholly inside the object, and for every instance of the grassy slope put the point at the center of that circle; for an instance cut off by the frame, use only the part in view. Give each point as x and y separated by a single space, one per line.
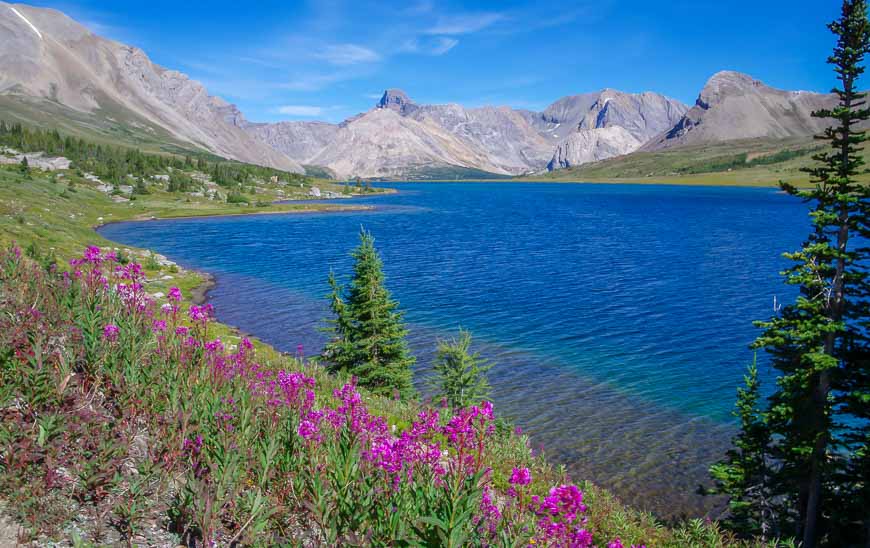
57 218
753 163
699 165
109 127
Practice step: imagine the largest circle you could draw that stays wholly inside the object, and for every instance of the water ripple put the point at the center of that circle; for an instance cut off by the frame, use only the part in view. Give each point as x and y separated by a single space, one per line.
618 316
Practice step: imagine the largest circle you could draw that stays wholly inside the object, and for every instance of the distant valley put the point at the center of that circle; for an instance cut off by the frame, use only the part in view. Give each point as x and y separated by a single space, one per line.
56 73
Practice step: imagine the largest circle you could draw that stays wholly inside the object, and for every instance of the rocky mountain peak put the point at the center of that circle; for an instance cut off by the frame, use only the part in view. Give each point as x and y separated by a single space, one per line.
734 105
725 83
397 100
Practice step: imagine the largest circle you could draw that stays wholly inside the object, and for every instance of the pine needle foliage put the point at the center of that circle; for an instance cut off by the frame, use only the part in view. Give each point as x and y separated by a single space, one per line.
460 373
744 474
368 334
819 414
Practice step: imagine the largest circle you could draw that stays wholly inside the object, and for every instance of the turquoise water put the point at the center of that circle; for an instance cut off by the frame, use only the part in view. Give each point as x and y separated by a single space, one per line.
619 315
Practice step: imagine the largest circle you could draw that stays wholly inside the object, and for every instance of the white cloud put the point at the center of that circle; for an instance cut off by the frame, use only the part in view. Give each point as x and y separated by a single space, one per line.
428 45
444 45
465 23
300 110
347 54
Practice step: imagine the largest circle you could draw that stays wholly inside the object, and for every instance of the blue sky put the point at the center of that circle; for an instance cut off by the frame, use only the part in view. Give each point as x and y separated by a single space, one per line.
288 60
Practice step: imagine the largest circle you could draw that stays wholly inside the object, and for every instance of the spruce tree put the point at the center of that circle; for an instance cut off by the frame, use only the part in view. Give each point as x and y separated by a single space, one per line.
744 474
818 344
368 334
461 375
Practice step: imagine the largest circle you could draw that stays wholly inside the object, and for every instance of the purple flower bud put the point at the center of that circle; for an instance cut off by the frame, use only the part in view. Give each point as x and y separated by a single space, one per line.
110 332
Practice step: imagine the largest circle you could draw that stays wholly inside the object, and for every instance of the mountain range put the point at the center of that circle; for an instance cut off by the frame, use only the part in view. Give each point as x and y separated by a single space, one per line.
53 71
50 62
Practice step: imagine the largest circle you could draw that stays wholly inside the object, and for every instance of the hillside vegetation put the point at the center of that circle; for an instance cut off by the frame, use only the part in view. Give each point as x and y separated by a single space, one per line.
757 162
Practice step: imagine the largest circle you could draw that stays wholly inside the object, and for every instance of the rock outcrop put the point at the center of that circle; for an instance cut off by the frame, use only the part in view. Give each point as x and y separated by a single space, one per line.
733 106
301 141
49 59
610 123
592 145
501 134
383 143
398 101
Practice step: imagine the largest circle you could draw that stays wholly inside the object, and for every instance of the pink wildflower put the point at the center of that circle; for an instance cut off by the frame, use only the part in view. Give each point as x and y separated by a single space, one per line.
110 332
309 431
199 313
559 518
521 476
489 515
616 543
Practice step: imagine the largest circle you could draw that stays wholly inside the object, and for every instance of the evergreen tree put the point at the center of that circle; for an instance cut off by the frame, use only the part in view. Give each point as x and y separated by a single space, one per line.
819 344
24 166
368 334
744 474
461 375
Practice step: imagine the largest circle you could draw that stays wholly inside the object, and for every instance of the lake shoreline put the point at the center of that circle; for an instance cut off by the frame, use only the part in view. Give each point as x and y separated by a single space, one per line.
614 182
199 294
661 480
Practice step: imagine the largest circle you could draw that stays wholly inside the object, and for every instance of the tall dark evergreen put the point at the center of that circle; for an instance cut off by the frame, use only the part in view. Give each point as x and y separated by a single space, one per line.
819 344
368 334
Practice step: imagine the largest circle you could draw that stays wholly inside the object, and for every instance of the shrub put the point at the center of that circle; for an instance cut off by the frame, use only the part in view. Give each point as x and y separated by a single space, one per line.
461 375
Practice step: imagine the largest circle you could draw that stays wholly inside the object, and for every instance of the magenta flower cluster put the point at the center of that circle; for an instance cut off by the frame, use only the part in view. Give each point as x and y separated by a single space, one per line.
439 452
560 517
110 332
520 476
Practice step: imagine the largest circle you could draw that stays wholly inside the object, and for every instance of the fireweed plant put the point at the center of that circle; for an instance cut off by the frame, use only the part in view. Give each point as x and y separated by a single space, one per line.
118 410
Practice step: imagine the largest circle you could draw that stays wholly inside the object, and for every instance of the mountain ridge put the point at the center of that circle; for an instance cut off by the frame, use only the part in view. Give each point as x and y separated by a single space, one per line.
54 69
496 139
46 56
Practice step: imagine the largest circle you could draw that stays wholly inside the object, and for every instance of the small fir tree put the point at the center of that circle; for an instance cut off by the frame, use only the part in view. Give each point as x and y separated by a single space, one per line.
461 374
744 474
368 333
